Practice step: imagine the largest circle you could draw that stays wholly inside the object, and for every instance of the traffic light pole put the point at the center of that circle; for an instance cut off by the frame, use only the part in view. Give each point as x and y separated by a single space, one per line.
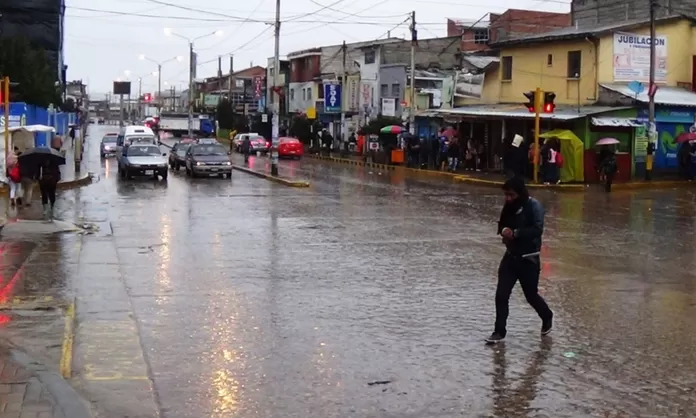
537 127
6 105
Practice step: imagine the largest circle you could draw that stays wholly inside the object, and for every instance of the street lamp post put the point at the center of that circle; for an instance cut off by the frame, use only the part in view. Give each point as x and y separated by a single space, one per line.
192 68
159 77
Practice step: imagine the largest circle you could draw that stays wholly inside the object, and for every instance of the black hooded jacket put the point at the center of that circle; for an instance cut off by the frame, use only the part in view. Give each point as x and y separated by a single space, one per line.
525 216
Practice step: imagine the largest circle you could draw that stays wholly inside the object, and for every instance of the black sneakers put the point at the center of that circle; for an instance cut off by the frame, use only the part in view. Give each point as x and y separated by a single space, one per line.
546 326
495 338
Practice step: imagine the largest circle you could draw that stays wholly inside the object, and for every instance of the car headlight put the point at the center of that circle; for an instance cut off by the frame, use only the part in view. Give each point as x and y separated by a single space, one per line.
135 165
228 163
200 163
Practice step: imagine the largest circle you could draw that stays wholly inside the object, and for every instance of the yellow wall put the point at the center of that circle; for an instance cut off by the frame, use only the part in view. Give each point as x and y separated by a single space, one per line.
530 70
680 48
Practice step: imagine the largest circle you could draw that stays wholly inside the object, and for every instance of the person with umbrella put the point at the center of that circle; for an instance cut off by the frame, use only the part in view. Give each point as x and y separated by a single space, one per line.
45 163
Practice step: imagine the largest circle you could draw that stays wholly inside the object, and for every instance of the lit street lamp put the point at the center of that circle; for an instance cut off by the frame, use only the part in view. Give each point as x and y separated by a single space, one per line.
192 67
142 57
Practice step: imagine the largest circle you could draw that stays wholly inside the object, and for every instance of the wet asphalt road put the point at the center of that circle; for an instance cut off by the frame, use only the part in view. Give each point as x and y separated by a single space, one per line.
245 298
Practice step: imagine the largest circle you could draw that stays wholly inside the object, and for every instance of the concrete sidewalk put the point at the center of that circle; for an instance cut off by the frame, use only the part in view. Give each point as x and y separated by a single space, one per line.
30 390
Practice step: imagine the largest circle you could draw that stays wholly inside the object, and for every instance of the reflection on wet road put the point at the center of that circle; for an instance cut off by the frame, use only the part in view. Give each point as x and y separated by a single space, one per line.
241 297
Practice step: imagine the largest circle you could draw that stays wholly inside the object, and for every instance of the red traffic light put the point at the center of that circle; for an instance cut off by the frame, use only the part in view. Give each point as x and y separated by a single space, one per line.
147 97
530 104
549 105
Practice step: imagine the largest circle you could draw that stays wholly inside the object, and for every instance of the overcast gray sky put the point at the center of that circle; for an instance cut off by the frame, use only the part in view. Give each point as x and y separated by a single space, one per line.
105 37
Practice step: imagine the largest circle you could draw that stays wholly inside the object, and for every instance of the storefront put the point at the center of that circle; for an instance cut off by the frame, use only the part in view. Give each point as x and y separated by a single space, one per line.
630 151
670 123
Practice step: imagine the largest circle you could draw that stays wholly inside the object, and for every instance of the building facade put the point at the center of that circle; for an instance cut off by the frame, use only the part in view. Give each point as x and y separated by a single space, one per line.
513 23
589 13
41 22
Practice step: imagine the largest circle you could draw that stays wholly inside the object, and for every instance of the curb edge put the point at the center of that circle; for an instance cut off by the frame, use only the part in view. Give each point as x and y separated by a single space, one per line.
289 183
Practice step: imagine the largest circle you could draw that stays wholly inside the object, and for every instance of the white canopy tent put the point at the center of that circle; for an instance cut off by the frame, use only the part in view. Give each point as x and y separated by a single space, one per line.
22 137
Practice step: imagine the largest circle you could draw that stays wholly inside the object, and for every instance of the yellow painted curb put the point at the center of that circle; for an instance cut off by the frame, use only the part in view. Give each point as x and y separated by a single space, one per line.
498 183
68 339
276 179
385 167
653 185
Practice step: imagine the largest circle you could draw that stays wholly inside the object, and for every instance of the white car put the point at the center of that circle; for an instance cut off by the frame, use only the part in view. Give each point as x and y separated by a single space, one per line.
142 160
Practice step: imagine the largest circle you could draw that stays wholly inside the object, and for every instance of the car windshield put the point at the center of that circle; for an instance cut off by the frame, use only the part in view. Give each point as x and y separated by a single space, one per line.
143 151
181 149
209 150
256 138
109 139
137 139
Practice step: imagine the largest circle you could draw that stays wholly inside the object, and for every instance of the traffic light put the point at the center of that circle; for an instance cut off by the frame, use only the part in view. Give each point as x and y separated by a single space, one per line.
549 105
530 101
147 97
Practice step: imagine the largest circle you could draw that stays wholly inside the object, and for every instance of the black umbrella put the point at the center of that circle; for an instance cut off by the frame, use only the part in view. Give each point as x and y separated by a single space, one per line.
35 157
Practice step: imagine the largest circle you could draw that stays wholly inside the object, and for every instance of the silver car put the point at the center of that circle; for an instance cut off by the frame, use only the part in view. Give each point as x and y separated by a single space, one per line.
142 160
108 145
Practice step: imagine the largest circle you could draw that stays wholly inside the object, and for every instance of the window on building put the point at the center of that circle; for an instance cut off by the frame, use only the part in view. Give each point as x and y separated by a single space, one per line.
507 68
292 94
309 93
549 60
481 36
396 90
320 91
384 90
574 64
304 94
370 57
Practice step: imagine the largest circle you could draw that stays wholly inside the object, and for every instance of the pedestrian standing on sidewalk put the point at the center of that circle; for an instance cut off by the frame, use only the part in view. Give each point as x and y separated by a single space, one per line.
48 175
14 179
521 225
246 148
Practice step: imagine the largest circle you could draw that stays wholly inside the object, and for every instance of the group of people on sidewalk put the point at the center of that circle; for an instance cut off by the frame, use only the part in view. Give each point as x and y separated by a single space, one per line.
444 152
22 179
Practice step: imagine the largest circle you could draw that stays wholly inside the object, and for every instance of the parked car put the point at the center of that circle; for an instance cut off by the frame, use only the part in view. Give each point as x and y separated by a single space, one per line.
177 155
258 143
108 145
289 147
142 160
207 160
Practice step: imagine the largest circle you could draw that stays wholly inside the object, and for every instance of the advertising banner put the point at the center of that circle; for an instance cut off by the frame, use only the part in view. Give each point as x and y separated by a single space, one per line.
332 98
632 57
389 107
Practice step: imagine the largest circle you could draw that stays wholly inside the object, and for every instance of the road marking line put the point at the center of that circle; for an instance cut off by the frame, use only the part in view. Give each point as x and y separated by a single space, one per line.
68 340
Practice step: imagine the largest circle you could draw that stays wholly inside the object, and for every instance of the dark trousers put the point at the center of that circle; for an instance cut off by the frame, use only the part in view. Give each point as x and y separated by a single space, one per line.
48 192
608 180
526 270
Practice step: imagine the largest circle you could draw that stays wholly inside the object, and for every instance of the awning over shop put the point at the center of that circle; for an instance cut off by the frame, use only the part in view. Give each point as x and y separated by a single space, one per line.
519 111
615 122
670 96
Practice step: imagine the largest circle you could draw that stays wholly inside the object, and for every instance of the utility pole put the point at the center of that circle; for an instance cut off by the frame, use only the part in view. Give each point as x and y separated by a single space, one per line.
120 110
652 89
192 65
6 104
412 99
140 96
344 82
276 97
229 95
159 89
538 97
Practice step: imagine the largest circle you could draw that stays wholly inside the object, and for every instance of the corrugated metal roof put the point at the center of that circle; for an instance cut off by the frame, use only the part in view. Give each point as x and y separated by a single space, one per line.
480 62
615 122
675 96
519 111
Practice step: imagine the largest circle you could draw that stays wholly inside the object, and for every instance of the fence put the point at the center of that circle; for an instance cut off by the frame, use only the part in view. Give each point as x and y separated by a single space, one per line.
22 114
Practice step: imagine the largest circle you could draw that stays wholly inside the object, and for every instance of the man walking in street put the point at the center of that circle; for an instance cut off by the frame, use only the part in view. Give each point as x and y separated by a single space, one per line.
521 225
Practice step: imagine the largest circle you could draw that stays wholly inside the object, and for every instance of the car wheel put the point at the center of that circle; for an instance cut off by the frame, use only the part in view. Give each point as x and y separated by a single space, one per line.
127 174
188 171
164 175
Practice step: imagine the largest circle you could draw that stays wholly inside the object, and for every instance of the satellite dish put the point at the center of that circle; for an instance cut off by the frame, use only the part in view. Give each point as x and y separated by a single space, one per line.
636 87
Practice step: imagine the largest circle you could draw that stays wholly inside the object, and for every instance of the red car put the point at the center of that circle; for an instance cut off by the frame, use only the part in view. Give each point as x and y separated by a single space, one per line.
290 147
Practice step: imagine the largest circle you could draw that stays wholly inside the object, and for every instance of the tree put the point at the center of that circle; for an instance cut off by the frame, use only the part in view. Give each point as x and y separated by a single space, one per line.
28 66
224 114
